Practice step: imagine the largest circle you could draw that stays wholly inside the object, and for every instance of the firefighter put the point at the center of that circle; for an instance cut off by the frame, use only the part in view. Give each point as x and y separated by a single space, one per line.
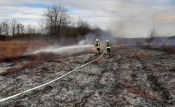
97 46
108 44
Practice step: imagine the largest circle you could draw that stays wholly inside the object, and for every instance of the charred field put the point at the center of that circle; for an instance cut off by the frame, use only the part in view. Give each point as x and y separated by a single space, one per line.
131 76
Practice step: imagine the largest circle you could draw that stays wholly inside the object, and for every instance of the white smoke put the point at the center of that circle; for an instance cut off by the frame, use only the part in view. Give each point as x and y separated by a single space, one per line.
135 18
102 36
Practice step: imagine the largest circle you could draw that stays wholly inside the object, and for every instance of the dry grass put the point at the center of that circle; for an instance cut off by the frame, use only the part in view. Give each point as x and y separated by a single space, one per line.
141 93
142 56
34 60
15 49
19 67
169 50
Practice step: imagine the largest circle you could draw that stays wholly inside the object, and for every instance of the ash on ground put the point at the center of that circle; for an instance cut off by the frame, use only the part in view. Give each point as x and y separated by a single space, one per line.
129 77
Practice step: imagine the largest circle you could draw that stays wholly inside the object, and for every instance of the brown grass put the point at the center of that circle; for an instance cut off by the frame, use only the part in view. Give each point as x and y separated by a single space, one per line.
142 56
141 93
19 67
169 50
34 61
15 49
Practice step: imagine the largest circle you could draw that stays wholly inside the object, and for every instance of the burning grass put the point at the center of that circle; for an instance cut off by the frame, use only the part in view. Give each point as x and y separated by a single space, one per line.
15 49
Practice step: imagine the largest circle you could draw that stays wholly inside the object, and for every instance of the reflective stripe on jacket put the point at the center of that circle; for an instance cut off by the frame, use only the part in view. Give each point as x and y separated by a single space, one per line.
108 45
97 45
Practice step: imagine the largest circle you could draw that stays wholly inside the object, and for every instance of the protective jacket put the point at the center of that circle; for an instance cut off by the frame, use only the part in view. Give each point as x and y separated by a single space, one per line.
108 45
97 45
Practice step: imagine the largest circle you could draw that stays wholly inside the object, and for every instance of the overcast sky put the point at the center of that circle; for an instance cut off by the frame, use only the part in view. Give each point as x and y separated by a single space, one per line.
125 18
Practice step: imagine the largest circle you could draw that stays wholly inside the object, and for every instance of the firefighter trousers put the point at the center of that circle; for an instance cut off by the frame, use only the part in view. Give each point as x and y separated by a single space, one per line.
109 50
98 50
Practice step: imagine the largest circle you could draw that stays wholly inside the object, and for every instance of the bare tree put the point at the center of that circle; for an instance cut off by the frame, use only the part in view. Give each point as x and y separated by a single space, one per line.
83 24
151 36
42 29
5 28
13 26
56 19
31 29
20 28
96 27
0 29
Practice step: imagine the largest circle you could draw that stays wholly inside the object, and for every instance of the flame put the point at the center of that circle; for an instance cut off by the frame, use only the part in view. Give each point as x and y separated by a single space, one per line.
168 43
94 48
123 45
159 44
102 47
118 46
145 43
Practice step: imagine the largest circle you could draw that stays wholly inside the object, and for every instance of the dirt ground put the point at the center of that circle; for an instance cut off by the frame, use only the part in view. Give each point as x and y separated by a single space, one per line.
130 77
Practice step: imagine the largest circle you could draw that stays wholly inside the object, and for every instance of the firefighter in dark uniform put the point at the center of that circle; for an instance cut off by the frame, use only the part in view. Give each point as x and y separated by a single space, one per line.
108 44
97 46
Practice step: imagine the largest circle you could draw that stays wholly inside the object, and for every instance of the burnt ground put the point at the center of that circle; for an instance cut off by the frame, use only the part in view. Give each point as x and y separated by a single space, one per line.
129 77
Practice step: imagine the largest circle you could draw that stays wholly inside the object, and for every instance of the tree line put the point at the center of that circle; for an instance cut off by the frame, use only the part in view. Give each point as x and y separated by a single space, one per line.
14 28
57 25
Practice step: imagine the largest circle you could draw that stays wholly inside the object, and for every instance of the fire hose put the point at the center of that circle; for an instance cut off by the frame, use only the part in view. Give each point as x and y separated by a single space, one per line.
23 92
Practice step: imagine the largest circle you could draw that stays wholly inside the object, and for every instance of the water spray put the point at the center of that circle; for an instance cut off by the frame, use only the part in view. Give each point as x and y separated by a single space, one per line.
65 50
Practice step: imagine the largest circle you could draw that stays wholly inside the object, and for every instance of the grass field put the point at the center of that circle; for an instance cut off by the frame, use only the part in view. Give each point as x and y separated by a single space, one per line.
14 49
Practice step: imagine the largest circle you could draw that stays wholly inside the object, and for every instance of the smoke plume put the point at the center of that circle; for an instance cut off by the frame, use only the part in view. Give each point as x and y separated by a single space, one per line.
135 18
102 36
